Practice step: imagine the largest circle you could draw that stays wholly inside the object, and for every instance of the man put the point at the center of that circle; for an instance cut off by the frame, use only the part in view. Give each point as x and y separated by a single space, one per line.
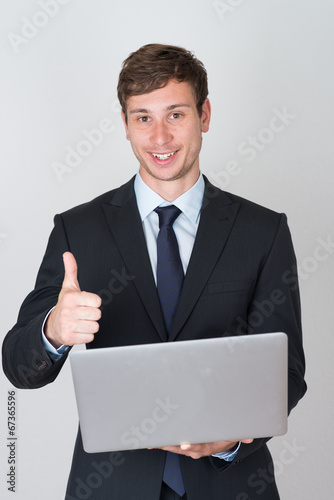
107 290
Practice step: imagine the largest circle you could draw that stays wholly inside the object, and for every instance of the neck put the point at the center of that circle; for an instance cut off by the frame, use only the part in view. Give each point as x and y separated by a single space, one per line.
169 190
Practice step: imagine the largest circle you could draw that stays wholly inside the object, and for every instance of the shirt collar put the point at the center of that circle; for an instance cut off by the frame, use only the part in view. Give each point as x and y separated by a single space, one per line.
189 203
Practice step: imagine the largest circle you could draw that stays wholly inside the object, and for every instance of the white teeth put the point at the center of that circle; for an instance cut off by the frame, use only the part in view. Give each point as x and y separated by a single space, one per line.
163 157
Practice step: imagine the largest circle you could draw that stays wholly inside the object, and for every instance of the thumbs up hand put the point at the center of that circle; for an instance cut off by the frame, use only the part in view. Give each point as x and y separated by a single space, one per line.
74 320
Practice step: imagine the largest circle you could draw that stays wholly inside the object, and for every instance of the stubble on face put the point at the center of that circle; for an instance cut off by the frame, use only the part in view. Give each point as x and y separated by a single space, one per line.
167 175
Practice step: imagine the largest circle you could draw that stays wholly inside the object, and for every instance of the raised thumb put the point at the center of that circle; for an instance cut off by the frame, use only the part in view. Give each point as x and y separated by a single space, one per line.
71 272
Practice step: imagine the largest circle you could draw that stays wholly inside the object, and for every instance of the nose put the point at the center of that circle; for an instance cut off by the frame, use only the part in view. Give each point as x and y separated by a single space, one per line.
161 133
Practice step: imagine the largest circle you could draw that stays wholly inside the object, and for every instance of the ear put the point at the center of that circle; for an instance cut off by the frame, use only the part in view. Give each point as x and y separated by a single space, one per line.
206 115
125 125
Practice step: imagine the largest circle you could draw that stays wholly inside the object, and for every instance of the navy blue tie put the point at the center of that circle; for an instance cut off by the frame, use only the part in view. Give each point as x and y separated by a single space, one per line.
169 283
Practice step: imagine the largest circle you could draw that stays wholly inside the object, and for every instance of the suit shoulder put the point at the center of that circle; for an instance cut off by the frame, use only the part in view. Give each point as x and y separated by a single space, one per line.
258 225
254 208
257 218
247 208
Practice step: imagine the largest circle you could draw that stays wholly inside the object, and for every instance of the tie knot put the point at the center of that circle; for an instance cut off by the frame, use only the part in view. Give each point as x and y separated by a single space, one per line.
167 215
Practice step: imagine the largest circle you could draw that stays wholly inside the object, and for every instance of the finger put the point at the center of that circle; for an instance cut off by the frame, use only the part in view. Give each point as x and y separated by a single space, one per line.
79 300
71 272
89 299
81 332
79 338
85 327
89 313
246 441
78 332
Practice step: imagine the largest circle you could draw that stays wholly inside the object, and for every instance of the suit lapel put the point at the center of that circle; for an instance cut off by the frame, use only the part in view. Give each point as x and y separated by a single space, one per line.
217 219
126 226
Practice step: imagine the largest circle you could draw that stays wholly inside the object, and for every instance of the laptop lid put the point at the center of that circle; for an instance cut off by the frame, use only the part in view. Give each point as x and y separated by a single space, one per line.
196 391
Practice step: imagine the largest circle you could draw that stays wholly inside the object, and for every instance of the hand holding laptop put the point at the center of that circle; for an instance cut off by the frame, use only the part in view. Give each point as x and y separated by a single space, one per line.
204 449
74 320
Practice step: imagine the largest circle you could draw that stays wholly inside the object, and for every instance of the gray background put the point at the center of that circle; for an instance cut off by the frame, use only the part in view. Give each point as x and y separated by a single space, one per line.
59 79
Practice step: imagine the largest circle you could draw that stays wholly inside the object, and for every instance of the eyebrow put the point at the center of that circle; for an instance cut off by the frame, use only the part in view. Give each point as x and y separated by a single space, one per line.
169 108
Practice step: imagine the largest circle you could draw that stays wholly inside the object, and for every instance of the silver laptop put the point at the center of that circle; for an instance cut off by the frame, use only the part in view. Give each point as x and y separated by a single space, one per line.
196 391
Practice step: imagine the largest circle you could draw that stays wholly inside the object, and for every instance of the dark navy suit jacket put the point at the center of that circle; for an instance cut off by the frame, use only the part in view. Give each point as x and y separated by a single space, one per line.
241 279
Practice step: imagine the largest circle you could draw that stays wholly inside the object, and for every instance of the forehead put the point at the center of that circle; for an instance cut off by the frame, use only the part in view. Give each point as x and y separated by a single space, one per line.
174 93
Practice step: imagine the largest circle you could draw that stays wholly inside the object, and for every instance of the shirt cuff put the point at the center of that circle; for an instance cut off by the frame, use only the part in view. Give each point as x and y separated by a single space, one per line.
228 455
54 353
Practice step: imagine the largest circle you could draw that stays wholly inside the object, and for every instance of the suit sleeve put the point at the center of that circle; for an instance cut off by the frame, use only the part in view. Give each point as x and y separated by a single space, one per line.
275 306
25 361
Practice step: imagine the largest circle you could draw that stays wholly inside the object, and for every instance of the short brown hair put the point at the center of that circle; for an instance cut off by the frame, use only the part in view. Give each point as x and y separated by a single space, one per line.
153 65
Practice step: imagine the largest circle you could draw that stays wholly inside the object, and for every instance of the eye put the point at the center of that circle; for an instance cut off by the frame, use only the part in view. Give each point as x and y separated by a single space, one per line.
175 116
144 119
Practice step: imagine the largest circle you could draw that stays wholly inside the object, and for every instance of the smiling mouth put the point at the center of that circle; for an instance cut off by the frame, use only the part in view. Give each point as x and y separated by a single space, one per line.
164 156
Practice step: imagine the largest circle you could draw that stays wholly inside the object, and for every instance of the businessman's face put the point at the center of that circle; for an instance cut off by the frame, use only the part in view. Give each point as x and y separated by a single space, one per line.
165 132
